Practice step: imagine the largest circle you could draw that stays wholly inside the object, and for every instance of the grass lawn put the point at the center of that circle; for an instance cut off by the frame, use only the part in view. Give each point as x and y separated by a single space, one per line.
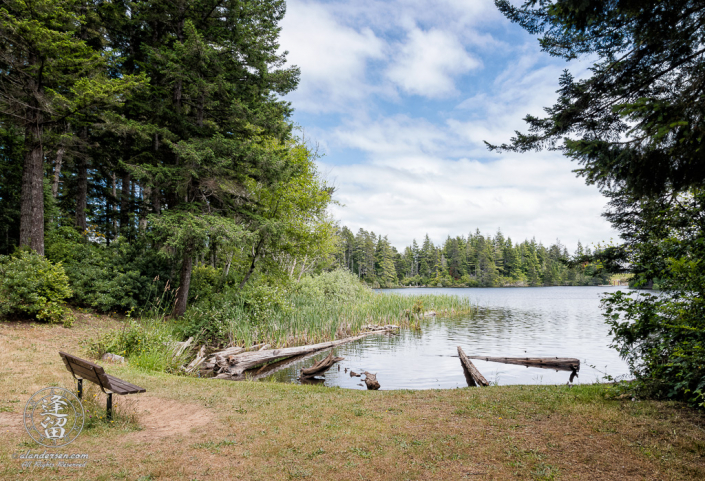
190 428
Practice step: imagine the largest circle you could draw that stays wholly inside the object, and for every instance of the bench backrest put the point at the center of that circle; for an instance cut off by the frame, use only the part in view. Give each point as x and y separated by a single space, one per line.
83 369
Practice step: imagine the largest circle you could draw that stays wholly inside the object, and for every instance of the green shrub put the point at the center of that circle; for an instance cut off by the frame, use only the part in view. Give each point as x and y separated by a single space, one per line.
204 283
120 276
147 344
30 284
339 286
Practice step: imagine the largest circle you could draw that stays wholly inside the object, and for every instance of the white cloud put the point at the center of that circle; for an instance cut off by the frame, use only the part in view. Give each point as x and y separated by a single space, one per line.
405 161
427 63
417 180
391 137
525 197
333 57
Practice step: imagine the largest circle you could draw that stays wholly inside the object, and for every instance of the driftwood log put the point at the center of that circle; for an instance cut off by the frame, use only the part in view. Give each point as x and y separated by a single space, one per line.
266 370
472 375
239 363
321 366
371 381
200 357
559 363
178 348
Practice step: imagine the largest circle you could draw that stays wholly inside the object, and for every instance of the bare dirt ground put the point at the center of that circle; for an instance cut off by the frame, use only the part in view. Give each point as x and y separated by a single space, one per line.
191 428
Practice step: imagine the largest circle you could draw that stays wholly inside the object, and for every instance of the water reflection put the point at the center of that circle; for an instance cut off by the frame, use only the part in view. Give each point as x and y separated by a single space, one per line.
535 322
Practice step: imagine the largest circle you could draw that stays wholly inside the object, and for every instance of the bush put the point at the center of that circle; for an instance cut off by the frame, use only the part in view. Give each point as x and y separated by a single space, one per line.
204 283
339 286
120 277
30 284
147 344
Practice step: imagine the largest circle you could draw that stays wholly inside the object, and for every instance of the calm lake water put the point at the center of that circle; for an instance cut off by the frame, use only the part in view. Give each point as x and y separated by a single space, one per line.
512 322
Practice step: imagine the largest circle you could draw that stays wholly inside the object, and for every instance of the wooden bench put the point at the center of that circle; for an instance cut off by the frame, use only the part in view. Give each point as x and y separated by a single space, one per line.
81 369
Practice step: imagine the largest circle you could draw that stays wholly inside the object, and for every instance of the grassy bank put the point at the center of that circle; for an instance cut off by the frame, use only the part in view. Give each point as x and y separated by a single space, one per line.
315 319
329 306
190 428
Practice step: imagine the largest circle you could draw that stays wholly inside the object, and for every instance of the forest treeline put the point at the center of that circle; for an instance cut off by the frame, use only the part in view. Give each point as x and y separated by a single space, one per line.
473 261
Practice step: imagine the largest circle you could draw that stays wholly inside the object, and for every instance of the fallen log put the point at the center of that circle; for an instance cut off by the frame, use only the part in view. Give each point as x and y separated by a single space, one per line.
321 366
268 369
240 363
472 375
559 363
371 381
200 357
210 362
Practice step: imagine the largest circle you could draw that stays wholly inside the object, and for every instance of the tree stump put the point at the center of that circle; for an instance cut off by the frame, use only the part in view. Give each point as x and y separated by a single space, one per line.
371 381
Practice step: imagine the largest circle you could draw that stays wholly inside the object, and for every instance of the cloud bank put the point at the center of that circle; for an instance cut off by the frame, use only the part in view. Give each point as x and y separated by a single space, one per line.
401 95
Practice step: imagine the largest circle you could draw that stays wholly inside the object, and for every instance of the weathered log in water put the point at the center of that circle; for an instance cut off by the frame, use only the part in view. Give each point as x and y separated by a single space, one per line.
472 375
321 366
312 380
268 369
371 381
239 363
558 363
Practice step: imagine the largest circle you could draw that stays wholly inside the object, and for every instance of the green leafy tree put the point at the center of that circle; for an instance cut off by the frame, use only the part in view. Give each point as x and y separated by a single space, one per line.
635 127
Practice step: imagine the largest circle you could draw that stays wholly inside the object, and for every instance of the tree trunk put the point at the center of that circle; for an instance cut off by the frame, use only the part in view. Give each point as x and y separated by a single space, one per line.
57 171
32 193
255 255
154 190
113 204
227 265
82 184
125 203
144 207
184 283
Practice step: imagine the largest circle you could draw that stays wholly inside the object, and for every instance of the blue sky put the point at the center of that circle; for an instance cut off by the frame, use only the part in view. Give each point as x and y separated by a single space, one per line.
399 96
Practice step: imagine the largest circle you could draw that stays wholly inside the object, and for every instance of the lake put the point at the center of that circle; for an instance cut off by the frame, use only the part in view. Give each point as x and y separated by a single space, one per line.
511 322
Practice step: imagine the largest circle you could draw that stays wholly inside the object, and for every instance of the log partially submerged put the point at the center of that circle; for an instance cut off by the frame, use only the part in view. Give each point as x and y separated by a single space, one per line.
266 370
321 366
558 363
371 381
472 375
239 363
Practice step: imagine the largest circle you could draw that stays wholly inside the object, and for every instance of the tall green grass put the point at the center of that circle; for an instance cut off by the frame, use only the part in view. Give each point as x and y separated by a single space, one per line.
330 306
313 319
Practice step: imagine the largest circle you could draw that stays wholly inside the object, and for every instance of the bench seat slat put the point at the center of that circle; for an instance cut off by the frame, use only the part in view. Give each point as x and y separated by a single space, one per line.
128 388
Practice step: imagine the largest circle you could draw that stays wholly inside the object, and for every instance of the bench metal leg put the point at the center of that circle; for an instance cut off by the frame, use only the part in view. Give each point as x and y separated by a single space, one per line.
80 388
110 406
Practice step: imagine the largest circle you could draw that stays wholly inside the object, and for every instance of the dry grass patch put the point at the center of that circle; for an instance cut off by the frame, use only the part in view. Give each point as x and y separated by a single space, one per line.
190 428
